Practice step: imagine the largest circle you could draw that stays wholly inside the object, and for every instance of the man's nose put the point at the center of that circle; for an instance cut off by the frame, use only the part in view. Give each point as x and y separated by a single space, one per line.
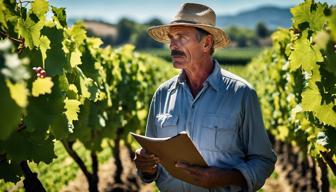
172 45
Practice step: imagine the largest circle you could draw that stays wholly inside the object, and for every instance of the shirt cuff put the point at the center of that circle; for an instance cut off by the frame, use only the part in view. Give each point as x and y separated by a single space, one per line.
244 171
151 179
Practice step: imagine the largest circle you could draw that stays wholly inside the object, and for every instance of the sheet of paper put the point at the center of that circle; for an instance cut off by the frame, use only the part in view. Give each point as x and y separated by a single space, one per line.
171 150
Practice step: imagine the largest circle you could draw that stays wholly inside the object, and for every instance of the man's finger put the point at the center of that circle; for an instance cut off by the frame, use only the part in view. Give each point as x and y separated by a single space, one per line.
145 163
142 154
148 167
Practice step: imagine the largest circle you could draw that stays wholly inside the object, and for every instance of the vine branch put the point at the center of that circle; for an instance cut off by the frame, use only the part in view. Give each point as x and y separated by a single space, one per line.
75 156
20 41
327 156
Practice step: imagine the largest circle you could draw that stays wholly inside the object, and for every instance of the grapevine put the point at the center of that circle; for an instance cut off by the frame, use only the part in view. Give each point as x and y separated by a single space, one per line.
297 82
57 84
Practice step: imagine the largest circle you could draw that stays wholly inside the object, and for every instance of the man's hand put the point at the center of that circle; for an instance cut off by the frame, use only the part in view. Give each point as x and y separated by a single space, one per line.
145 162
211 177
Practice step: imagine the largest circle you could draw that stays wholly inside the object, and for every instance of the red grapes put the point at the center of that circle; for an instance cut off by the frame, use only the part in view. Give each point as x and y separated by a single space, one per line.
40 72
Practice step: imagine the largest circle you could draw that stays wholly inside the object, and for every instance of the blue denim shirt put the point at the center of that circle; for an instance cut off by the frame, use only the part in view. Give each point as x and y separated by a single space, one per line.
225 123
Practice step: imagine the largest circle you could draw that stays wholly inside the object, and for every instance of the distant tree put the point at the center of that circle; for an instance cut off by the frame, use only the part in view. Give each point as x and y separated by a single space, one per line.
144 41
243 37
126 27
261 30
242 40
153 22
233 32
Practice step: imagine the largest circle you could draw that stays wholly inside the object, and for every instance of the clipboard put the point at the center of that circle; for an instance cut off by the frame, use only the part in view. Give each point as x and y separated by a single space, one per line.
171 150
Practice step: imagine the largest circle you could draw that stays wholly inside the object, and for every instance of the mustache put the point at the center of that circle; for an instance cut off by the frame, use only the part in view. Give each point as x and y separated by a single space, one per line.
177 53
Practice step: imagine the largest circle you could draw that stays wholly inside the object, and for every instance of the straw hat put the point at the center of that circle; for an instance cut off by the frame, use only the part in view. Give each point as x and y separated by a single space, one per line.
193 15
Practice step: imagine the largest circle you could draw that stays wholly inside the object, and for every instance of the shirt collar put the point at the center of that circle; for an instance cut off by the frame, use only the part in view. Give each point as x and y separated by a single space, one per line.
213 80
215 77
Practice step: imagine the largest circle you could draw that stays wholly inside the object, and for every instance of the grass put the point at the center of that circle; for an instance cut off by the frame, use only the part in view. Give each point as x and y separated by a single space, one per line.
248 52
240 70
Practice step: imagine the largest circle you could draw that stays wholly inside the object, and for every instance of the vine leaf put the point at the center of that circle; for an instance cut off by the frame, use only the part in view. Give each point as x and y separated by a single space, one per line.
42 86
72 108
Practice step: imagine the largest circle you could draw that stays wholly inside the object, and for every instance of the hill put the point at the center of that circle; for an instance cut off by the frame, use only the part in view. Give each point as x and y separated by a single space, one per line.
273 17
101 29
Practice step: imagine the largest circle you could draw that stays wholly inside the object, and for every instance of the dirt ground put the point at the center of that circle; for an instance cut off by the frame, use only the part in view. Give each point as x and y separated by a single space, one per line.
106 183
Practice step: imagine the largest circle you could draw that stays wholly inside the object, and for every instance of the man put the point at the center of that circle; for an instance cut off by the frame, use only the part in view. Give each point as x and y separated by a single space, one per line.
219 111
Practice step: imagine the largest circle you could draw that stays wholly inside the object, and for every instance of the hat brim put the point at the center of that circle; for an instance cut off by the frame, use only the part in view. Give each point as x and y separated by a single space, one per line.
160 33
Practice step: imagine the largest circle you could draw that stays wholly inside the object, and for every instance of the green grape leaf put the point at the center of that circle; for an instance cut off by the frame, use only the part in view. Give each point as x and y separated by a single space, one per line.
93 142
60 15
10 112
321 40
56 60
281 37
95 43
72 108
75 58
332 23
2 14
39 7
19 93
330 64
72 92
326 114
10 172
315 77
78 32
42 86
34 56
44 46
18 147
30 31
304 55
309 13
83 131
88 64
312 101
88 88
59 126
24 145
37 118
43 150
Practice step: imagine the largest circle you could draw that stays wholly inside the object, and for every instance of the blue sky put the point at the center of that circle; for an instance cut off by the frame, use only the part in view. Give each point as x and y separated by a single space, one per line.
143 10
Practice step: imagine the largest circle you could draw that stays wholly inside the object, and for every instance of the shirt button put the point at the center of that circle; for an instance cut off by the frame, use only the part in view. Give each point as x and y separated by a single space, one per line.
193 106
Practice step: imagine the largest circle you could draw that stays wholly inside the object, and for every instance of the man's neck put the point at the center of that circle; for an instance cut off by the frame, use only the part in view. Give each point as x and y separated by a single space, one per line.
195 78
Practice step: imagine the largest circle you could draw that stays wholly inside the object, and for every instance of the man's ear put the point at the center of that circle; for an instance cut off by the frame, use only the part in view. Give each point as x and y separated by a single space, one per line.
207 42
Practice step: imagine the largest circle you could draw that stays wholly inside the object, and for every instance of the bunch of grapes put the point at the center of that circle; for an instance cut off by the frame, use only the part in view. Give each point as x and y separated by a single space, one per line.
40 73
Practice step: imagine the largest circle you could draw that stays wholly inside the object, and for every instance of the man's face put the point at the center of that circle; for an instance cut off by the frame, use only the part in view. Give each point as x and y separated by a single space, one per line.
184 46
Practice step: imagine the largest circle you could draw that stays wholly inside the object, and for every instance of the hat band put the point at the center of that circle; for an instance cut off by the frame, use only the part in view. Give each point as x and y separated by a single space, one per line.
183 21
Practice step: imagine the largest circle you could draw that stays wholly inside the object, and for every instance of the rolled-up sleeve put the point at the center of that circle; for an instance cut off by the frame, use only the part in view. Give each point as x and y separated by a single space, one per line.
260 158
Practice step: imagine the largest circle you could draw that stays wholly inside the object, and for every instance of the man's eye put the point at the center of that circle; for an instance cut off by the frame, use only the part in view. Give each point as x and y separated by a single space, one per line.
182 37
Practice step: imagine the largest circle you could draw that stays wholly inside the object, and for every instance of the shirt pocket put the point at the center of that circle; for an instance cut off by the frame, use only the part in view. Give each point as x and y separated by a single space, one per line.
166 125
218 132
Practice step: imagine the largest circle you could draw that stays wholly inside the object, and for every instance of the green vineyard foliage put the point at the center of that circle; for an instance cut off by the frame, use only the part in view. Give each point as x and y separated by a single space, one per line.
88 93
297 80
